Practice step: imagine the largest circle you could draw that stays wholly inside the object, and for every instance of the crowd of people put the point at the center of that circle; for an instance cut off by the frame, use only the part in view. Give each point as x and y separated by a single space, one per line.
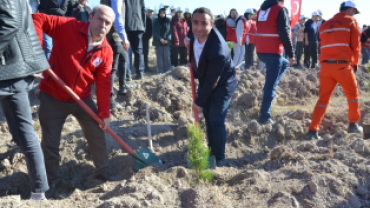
92 47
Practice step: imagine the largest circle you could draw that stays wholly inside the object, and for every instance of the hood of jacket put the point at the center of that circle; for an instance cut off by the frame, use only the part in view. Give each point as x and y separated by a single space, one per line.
269 3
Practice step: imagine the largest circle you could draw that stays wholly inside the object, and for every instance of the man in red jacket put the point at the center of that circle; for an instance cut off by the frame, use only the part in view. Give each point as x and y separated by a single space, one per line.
81 56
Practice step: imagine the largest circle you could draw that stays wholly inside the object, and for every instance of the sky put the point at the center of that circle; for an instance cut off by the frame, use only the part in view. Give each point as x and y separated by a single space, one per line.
328 7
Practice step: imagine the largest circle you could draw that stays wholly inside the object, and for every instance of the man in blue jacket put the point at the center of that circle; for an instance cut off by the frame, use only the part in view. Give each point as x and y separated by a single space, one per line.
213 67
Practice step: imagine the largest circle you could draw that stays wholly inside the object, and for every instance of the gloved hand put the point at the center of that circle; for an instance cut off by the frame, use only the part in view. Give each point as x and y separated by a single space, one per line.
354 67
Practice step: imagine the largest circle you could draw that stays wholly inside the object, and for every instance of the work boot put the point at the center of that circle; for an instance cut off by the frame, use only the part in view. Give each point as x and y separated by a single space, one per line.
312 135
141 75
128 77
354 128
122 91
267 122
114 104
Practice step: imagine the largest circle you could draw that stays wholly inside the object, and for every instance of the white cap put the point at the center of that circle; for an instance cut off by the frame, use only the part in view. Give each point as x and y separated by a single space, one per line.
162 5
179 9
149 9
319 11
221 15
187 10
173 7
302 17
350 4
315 13
249 10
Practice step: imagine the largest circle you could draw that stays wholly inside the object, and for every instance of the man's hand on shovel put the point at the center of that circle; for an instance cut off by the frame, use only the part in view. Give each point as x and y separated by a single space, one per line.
196 108
106 124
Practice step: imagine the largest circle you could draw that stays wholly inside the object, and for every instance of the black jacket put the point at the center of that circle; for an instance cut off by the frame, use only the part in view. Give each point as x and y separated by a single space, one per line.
19 43
52 7
220 23
135 15
215 72
148 29
283 22
77 12
363 36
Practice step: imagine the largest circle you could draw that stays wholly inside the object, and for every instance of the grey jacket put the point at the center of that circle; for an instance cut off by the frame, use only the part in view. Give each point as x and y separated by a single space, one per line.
21 54
135 15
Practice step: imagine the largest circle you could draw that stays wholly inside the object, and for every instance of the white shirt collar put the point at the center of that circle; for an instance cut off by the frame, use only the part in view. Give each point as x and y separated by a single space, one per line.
90 40
198 49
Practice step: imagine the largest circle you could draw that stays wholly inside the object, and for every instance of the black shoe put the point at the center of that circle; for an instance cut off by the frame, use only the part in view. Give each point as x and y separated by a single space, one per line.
312 135
122 91
355 128
267 122
104 177
220 163
52 190
141 75
114 104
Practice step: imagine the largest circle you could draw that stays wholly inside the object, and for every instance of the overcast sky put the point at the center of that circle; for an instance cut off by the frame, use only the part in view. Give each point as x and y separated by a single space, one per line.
329 7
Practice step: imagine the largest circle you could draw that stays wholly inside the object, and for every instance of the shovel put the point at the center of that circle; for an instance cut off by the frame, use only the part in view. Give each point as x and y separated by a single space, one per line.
142 159
211 159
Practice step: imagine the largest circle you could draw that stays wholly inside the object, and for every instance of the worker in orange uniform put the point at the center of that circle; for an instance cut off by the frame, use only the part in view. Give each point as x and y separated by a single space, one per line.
340 52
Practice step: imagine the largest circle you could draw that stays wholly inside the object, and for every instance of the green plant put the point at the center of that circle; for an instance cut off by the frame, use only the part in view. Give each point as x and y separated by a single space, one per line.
367 67
198 154
230 44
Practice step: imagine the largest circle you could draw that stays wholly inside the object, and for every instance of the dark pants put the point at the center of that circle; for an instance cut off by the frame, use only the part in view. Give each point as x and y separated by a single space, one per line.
183 52
216 131
174 58
136 41
249 56
310 54
299 52
52 115
120 64
16 106
146 52
276 66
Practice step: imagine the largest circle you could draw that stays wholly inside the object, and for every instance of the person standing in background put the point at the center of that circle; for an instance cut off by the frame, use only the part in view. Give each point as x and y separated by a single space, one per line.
249 46
187 15
162 32
365 43
62 8
311 36
220 24
172 11
231 33
135 18
242 28
298 34
147 35
81 11
179 32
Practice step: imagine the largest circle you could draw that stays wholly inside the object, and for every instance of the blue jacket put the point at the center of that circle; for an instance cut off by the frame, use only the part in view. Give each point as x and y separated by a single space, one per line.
216 71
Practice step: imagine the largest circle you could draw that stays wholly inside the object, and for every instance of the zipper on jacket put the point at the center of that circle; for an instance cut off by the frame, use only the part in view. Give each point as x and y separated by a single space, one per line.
2 59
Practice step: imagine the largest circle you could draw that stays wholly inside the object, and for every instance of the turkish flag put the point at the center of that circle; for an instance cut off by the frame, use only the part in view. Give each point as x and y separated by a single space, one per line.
295 12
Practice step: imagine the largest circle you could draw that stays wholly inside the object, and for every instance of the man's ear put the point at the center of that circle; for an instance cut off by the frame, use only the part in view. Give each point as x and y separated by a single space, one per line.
212 24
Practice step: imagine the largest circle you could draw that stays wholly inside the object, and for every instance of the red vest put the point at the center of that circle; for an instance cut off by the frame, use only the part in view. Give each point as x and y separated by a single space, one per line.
367 43
246 26
267 36
252 32
231 34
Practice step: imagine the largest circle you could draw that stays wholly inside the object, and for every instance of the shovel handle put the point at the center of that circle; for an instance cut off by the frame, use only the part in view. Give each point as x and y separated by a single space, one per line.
88 110
196 113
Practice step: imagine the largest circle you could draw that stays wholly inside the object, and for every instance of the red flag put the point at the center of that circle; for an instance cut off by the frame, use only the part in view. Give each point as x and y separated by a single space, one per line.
295 12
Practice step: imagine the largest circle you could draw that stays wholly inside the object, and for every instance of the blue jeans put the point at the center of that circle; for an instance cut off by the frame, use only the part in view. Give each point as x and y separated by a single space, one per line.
136 41
276 66
16 106
48 43
216 131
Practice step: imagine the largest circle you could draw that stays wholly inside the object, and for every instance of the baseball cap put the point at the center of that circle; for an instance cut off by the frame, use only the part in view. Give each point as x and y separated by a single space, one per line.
315 13
187 11
221 15
350 4
319 11
249 10
302 17
179 9
149 9
173 7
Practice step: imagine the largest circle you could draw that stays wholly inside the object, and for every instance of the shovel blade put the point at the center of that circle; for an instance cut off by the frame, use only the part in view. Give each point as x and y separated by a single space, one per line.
144 158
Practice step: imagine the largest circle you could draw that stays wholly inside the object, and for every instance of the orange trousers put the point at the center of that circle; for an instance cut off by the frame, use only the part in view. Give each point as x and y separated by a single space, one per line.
330 75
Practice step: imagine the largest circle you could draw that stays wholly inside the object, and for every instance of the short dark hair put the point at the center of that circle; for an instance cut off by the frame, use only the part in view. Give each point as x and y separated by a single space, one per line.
203 10
343 9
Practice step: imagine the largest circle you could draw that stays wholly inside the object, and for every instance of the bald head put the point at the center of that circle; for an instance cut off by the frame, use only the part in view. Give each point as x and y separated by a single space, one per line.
101 21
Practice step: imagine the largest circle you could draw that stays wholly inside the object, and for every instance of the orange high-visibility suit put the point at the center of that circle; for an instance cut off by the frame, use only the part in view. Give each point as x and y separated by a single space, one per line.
340 52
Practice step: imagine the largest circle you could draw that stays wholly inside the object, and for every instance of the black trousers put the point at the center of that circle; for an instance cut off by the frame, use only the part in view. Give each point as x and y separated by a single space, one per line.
249 55
174 59
136 41
146 52
310 54
182 52
120 64
299 51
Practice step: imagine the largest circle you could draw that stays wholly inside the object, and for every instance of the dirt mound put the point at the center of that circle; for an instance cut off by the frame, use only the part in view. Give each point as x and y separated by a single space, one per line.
266 166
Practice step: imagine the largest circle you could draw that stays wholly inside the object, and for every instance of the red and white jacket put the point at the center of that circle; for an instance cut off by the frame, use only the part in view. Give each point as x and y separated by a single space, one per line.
252 33
267 36
70 60
367 43
230 30
242 28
